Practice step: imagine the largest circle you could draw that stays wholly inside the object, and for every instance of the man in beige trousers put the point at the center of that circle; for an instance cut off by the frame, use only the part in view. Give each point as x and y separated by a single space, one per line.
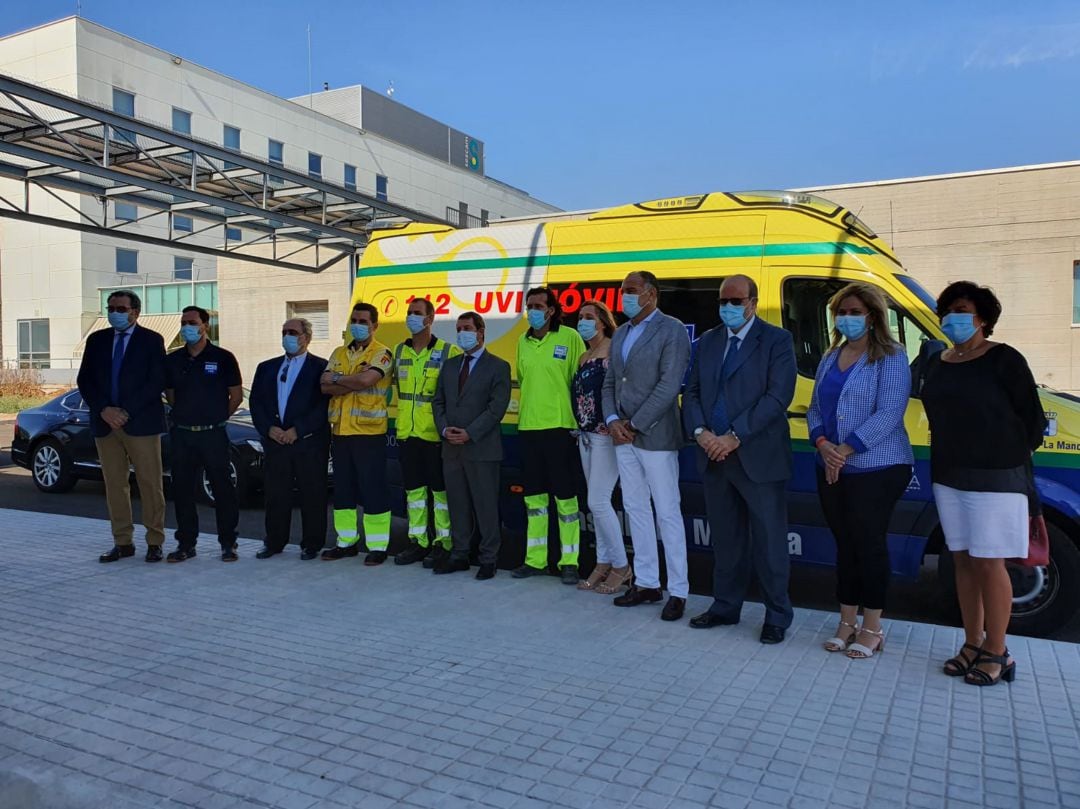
121 379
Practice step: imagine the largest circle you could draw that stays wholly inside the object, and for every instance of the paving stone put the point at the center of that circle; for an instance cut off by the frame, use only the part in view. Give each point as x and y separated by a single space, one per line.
453 705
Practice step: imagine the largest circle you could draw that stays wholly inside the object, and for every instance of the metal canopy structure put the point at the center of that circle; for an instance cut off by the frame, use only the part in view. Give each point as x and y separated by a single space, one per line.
53 142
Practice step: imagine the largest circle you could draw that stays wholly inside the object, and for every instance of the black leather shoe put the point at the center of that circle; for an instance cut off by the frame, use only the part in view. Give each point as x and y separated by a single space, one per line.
638 595
307 555
229 554
486 572
338 552
674 609
117 552
266 552
413 553
770 633
372 559
569 574
435 556
525 571
180 554
154 554
707 620
450 565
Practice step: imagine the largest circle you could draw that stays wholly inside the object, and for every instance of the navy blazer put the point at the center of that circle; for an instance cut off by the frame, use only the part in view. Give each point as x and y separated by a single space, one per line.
142 381
306 409
758 389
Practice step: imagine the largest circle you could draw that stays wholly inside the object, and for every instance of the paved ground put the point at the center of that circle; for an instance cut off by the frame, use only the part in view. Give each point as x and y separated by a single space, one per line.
286 684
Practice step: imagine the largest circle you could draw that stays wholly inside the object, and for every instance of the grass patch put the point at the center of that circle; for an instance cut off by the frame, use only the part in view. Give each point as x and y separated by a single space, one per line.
14 403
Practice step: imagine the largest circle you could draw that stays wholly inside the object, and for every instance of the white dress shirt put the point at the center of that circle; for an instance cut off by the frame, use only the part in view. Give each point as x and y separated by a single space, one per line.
291 367
634 332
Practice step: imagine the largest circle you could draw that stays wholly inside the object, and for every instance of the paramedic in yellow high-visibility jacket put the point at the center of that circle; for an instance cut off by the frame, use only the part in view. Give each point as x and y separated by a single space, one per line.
547 359
417 363
357 378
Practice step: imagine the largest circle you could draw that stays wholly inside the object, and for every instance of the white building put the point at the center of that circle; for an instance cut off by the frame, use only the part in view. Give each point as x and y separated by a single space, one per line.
51 279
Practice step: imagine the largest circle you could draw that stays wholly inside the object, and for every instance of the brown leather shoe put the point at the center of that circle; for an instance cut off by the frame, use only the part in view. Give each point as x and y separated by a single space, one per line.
674 609
117 552
638 595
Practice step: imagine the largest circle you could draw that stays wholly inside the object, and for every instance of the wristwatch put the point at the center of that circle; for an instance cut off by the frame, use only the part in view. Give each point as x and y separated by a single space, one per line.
734 435
334 377
698 431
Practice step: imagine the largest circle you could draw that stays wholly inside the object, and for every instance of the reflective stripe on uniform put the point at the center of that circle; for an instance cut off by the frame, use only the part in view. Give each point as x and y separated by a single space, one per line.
568 517
569 548
537 512
411 397
367 414
537 542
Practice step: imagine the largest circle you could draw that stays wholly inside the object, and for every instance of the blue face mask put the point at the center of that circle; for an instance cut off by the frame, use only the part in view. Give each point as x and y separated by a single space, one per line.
291 343
467 340
733 316
631 304
587 329
959 326
414 323
190 334
537 318
359 331
851 326
119 320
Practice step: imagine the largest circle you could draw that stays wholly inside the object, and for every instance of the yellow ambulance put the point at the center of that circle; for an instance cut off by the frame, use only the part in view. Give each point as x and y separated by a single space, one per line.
800 248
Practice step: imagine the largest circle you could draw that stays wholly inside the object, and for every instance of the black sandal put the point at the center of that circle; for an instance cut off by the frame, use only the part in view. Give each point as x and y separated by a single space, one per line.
976 676
960 665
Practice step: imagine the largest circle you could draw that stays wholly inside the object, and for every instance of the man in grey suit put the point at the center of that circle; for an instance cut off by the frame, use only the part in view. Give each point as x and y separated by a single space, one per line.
649 355
471 398
735 407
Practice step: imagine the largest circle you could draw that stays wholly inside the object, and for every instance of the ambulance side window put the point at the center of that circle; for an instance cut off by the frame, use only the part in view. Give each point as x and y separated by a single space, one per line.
805 313
693 301
909 333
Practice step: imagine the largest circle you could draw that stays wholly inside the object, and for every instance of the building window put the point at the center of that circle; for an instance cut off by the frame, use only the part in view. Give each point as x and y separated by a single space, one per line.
127 260
125 211
275 153
231 140
318 312
123 102
350 177
1076 293
33 343
181 121
380 187
182 268
233 234
184 223
314 165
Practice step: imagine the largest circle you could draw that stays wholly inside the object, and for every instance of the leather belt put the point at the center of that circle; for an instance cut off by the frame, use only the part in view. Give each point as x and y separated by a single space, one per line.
196 428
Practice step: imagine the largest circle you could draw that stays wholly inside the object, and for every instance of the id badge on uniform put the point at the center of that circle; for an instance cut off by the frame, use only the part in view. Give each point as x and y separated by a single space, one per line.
560 352
210 368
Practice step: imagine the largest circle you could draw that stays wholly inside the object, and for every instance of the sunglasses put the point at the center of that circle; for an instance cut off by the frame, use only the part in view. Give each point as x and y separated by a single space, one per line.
726 301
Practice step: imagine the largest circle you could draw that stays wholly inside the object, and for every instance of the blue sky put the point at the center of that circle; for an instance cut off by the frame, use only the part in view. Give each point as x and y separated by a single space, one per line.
588 104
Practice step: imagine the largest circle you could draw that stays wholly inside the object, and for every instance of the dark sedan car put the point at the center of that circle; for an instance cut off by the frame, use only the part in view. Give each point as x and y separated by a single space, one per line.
54 442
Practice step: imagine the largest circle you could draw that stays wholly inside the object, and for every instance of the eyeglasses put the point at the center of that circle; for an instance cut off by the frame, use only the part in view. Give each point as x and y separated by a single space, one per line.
726 301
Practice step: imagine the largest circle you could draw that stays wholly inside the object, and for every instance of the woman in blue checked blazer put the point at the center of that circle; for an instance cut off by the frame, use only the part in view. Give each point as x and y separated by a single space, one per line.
856 421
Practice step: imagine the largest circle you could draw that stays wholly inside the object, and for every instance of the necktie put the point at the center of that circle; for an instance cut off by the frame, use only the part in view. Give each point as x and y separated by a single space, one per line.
117 361
464 375
720 421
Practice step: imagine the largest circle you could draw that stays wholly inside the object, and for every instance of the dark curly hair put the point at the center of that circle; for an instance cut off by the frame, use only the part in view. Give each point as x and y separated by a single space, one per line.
986 304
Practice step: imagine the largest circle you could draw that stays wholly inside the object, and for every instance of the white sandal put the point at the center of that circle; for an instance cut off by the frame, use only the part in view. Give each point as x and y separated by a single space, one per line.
838 644
857 651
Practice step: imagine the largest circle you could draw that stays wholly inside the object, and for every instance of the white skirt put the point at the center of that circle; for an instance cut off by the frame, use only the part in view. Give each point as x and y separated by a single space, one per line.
989 525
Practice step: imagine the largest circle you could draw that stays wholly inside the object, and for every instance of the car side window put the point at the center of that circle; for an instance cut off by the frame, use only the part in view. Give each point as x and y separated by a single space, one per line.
74 402
909 333
805 313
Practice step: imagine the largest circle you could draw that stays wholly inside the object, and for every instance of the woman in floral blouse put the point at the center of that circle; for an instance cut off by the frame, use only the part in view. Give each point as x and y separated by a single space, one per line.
596 324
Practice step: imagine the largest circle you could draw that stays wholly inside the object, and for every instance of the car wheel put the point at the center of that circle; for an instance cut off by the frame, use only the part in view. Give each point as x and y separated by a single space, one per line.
51 467
236 475
1044 598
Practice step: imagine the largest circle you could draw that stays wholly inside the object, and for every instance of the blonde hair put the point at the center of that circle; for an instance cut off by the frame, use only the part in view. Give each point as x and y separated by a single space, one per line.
879 342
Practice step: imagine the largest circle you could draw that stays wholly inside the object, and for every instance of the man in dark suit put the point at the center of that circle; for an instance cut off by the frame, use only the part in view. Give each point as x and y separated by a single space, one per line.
471 398
288 409
735 407
121 379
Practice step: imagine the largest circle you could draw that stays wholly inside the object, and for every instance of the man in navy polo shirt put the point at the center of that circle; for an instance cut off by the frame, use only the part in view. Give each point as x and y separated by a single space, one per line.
204 388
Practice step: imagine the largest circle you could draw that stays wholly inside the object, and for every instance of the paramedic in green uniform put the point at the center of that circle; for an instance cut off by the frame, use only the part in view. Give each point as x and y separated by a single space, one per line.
417 363
547 359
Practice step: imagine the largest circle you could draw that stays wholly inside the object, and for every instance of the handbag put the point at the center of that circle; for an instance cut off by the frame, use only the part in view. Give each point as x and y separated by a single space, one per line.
1038 536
